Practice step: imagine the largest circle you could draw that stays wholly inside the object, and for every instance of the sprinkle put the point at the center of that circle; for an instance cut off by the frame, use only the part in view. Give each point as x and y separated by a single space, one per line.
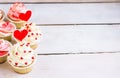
32 57
28 43
21 58
28 35
22 44
32 33
16 64
30 24
29 51
36 33
26 63
24 51
29 30
40 34
10 61
35 38
25 24
16 53
27 27
8 54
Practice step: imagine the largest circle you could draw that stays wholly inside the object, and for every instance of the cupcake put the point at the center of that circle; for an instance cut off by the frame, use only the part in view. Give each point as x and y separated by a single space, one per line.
21 58
2 15
6 30
4 49
18 14
32 37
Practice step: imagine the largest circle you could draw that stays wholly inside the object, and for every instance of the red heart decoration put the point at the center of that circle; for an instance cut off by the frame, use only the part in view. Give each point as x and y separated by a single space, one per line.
25 16
20 35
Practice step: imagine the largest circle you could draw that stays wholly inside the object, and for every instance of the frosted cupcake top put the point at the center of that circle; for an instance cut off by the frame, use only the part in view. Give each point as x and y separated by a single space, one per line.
29 33
21 55
4 47
34 33
6 28
18 12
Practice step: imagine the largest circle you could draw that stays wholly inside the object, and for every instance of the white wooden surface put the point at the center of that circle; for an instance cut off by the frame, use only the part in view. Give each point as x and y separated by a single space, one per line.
80 38
73 13
74 50
70 66
61 1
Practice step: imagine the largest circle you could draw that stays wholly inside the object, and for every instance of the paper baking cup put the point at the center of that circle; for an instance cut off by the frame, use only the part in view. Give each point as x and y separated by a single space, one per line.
18 24
3 58
8 38
34 46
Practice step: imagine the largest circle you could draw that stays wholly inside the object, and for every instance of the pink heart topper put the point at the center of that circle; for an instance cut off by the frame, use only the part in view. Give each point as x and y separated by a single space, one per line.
25 16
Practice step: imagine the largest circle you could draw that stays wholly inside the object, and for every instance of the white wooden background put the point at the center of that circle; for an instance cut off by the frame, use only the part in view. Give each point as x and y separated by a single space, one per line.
6 1
79 40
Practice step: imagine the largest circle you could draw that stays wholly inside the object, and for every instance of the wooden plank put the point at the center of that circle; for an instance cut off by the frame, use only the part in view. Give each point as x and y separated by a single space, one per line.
61 1
81 38
63 66
73 13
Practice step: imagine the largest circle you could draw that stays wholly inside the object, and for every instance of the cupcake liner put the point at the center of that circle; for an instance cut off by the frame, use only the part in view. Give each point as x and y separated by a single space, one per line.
22 70
34 46
18 24
8 38
13 41
3 58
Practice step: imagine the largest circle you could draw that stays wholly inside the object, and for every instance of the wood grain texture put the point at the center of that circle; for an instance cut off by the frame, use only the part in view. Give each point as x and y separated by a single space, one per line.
73 13
80 38
63 66
61 1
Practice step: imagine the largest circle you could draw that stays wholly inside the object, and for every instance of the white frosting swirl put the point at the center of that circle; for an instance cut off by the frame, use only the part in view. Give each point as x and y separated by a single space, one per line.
34 33
21 55
4 45
6 29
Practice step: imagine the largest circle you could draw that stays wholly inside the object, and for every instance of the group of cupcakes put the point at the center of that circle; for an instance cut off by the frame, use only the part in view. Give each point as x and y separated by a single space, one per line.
18 38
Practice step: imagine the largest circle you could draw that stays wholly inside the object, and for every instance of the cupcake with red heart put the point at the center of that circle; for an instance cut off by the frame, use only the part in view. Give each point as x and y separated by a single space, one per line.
33 36
4 50
21 58
29 33
6 30
18 14
19 35
2 15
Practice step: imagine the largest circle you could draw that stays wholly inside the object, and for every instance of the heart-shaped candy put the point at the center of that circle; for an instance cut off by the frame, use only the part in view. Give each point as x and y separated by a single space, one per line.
25 16
20 35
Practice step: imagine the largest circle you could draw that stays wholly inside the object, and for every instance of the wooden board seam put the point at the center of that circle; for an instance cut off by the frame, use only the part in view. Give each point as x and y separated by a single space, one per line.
78 24
112 52
61 2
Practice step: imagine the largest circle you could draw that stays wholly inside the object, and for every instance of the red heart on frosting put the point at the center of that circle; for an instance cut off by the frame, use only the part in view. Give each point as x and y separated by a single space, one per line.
20 35
25 16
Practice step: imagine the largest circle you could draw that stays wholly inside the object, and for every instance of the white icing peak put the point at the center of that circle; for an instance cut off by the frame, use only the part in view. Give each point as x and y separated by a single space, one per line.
33 33
21 55
4 45
6 28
